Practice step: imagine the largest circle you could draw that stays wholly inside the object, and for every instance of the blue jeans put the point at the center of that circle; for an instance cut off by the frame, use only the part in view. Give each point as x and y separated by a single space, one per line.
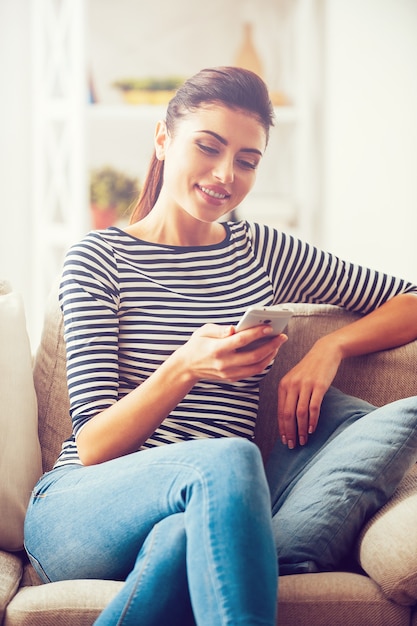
324 492
185 524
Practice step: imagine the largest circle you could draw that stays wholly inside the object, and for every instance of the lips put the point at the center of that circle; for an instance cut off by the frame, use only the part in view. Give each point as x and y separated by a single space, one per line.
214 193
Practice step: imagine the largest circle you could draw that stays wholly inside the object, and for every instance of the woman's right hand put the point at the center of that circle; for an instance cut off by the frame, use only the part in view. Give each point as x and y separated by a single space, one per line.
209 354
214 352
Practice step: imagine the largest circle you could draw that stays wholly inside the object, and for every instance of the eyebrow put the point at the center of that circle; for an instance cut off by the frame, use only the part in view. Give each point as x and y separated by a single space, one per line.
226 143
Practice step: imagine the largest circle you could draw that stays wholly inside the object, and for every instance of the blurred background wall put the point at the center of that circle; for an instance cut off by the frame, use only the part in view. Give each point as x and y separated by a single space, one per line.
369 199
366 122
15 144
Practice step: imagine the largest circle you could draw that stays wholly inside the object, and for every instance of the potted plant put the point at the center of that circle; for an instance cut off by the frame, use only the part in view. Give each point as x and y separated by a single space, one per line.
152 90
112 193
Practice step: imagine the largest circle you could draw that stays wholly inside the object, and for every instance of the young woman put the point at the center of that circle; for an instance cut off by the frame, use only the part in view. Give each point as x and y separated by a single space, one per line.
153 359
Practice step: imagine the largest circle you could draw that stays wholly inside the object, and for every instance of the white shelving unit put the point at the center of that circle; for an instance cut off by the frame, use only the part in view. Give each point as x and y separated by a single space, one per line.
59 174
72 136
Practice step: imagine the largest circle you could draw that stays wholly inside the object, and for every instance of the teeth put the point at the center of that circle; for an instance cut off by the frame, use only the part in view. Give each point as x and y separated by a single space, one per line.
213 194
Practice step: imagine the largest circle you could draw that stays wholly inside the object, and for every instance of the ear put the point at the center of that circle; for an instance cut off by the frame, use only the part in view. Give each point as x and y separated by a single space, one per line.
161 137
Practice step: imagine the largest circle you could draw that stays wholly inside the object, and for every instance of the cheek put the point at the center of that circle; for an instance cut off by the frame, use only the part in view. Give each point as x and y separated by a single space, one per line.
246 182
177 165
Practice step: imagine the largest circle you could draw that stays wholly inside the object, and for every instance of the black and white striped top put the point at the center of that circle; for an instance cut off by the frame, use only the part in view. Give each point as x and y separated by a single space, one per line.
128 304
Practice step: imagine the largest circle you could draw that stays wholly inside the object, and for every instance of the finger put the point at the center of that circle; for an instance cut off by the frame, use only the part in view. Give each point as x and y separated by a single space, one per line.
245 338
303 415
287 405
315 407
280 409
258 358
215 331
247 363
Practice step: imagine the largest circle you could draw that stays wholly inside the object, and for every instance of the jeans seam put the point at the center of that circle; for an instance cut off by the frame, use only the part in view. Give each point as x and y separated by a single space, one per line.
138 580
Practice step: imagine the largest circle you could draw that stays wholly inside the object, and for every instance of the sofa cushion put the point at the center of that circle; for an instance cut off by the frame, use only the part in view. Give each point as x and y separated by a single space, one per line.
336 599
387 546
20 457
66 602
11 572
51 383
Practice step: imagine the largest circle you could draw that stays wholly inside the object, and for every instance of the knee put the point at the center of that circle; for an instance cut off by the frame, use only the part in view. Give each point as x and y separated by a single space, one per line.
236 452
409 406
237 466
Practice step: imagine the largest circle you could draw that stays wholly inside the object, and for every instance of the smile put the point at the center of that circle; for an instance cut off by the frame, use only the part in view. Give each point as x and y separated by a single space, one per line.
214 194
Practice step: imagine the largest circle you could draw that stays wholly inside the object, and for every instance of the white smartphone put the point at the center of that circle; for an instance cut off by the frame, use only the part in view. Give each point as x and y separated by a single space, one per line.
276 317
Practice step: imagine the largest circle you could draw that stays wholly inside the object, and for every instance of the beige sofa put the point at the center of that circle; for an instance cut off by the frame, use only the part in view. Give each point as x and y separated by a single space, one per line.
383 593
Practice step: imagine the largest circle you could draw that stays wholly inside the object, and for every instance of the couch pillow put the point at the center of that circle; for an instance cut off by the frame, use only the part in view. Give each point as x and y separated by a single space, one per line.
20 457
49 374
387 546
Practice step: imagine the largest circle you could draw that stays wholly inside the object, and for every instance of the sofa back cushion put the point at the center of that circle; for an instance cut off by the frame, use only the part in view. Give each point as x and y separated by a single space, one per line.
51 384
20 457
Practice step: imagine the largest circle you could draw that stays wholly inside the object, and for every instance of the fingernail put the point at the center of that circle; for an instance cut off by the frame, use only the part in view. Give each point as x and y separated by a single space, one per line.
284 440
290 444
302 441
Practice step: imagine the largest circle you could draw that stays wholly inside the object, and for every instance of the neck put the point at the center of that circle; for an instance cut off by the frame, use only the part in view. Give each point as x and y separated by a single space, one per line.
166 231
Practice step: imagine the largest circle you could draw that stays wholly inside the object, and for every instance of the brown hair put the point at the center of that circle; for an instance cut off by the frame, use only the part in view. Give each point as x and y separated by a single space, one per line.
233 87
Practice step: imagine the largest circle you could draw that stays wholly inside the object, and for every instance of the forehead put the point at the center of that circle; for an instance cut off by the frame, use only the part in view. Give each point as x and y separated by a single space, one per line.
231 124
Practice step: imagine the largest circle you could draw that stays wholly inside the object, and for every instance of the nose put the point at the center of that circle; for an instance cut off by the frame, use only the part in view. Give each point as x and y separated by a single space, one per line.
224 170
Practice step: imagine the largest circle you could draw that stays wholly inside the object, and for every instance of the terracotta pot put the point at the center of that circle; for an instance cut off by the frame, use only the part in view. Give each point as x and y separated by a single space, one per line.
103 217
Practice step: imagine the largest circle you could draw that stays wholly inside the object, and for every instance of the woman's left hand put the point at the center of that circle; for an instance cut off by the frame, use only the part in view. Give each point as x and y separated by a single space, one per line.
301 391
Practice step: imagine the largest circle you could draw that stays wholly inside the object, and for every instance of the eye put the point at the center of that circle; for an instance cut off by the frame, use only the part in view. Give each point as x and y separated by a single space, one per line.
247 165
207 149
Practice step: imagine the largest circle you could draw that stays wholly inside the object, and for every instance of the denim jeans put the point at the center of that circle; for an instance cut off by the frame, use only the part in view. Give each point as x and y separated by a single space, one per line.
183 523
324 492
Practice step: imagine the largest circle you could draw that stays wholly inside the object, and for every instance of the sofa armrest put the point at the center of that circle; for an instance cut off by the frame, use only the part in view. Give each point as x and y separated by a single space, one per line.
11 569
378 378
387 545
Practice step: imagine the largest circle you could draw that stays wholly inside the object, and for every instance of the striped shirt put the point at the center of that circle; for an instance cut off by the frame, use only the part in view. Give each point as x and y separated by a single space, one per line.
128 304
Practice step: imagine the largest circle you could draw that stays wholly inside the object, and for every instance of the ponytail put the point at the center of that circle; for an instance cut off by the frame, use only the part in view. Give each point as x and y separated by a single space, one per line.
150 190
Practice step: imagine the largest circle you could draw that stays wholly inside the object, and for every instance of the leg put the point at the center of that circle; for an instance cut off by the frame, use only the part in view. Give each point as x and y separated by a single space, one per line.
159 575
329 492
105 513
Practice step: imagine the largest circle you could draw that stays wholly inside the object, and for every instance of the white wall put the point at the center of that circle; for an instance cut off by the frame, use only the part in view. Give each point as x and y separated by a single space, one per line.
370 124
15 144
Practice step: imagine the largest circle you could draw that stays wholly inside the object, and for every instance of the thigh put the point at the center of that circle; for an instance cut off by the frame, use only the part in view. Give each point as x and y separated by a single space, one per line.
90 522
75 527
157 586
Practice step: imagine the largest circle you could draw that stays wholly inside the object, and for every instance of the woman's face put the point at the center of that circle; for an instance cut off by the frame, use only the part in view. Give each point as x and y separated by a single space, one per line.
210 161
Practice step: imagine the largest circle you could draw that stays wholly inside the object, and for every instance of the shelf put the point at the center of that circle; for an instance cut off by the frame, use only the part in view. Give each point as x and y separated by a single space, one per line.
117 111
284 114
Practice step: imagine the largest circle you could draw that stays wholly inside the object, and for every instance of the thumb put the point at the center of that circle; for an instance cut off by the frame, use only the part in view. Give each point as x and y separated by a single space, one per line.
216 331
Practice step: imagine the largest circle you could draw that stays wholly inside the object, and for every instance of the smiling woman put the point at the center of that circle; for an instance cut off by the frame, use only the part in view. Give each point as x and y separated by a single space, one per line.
147 393
207 173
164 399
206 155
239 93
